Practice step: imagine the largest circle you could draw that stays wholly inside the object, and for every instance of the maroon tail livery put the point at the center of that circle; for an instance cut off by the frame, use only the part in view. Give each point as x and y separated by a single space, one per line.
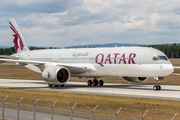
19 44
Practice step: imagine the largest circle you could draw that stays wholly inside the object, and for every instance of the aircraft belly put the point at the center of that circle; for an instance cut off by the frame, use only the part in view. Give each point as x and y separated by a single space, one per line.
76 70
86 74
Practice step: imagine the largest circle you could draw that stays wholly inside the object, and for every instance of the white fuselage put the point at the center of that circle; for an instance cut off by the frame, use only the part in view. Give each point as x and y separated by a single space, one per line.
117 61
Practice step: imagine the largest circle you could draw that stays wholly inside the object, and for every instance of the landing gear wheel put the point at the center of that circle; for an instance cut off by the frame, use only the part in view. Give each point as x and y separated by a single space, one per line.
50 85
95 82
154 88
56 86
89 82
62 85
157 87
101 83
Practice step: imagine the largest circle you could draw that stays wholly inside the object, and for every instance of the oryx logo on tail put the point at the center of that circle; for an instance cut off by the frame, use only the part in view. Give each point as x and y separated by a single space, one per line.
17 44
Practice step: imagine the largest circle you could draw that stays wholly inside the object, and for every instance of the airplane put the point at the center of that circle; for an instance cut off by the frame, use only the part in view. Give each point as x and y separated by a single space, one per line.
134 64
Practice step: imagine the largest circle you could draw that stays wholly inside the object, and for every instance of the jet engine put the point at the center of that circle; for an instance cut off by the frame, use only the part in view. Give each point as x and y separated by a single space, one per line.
56 75
136 79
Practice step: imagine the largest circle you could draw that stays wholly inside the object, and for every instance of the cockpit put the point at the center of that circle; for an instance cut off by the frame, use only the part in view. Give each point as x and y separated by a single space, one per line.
160 57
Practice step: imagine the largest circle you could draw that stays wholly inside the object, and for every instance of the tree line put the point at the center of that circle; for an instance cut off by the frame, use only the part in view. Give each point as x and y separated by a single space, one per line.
172 51
11 50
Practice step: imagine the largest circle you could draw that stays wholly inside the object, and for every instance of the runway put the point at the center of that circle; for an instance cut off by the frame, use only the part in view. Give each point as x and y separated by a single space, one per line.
168 92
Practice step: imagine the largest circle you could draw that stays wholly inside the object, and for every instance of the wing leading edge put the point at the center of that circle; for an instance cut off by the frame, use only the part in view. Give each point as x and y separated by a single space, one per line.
73 68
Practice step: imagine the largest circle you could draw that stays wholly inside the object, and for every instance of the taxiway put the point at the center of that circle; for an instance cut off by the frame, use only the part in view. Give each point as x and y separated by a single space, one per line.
168 92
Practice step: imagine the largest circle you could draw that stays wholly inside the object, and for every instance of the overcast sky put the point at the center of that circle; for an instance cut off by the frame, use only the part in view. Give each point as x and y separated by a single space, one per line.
61 23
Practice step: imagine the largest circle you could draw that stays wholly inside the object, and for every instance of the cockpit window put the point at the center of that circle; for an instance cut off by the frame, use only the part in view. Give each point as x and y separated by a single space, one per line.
159 57
162 57
155 58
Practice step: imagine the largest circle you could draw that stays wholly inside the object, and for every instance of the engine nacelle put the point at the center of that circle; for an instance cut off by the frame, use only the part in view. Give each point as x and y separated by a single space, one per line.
136 79
56 75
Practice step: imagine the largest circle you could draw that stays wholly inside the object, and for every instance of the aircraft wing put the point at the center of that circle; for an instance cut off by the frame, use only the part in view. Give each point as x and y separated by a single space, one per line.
73 68
22 61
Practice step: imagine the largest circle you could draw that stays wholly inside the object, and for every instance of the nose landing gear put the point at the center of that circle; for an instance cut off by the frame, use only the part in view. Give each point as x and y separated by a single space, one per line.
157 85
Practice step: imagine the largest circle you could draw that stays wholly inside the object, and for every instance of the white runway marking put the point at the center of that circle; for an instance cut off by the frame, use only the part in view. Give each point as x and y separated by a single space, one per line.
176 66
176 74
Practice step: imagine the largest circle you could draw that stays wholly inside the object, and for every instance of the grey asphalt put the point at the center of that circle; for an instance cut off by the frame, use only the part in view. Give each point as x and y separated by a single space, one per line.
167 92
11 114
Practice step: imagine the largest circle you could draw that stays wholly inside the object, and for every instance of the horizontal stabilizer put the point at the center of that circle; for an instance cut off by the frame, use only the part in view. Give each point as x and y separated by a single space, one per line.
10 57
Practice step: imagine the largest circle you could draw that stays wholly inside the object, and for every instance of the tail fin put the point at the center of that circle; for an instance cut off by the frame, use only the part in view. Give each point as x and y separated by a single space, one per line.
19 43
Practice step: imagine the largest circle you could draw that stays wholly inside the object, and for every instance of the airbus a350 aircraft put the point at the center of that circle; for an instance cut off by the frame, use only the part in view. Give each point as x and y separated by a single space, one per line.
134 64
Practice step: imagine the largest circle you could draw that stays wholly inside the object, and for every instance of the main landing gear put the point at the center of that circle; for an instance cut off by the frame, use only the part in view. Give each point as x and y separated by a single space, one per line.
95 82
51 85
157 85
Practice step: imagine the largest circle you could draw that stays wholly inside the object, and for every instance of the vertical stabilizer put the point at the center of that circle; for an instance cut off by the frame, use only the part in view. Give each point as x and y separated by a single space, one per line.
19 43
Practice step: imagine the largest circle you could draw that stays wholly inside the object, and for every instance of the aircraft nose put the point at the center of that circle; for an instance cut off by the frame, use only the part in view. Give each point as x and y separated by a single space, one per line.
169 68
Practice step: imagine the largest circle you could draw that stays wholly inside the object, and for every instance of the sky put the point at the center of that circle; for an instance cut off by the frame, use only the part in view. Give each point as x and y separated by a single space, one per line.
62 23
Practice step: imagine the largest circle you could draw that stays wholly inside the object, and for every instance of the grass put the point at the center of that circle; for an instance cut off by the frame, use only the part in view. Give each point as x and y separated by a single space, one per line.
129 105
175 62
17 72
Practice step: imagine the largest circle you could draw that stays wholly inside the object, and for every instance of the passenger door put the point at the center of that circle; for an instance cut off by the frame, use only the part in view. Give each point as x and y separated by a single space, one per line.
139 58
